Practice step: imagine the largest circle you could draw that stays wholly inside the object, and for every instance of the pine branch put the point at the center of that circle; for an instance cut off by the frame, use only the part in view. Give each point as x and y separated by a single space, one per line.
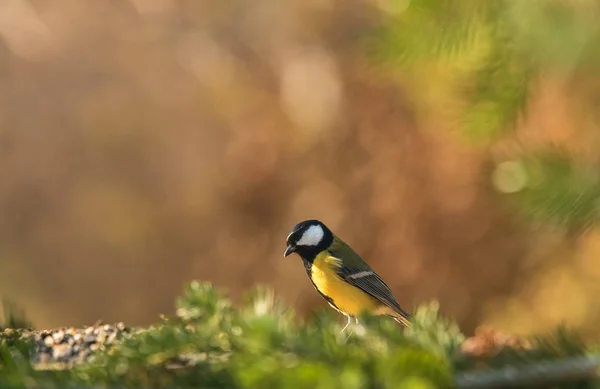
535 374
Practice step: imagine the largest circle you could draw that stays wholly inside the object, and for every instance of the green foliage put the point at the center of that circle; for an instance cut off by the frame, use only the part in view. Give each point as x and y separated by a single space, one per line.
14 317
477 42
288 353
264 344
497 49
561 190
15 366
496 53
434 332
558 189
427 29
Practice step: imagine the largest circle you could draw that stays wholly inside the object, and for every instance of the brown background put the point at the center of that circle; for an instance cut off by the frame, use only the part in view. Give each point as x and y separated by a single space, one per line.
146 143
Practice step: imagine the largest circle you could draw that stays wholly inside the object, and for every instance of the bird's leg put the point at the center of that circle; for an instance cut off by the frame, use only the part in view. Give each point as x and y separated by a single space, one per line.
348 323
356 319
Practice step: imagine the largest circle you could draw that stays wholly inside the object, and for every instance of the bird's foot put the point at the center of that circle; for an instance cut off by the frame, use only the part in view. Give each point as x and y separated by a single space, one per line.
347 323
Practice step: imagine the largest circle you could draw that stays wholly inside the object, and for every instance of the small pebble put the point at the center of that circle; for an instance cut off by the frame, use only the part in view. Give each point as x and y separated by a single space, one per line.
111 338
49 341
62 352
101 337
58 336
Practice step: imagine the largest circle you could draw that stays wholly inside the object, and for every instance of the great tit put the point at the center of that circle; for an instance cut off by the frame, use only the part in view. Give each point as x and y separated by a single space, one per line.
340 275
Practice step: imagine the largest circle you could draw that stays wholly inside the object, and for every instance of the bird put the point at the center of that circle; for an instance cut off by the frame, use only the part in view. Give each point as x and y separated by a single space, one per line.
340 275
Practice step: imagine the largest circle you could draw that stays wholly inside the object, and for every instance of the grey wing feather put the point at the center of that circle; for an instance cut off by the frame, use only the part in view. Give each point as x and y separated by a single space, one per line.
371 283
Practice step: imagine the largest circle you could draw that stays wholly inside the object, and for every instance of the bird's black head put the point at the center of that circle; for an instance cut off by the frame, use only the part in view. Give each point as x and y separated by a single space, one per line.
308 238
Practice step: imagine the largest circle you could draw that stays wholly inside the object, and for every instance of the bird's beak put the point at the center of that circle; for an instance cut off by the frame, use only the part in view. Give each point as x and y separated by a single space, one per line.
290 249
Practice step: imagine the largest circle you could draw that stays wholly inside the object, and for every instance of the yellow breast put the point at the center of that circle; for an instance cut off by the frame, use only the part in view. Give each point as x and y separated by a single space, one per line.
348 299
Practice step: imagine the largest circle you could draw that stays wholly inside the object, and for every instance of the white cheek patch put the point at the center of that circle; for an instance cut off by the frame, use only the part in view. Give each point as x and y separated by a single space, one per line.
312 236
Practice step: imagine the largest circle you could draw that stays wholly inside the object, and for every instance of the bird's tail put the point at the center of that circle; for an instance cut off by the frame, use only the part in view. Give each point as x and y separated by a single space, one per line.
403 318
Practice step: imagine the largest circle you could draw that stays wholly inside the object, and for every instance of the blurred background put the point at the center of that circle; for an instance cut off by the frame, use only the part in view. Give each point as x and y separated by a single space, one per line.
454 144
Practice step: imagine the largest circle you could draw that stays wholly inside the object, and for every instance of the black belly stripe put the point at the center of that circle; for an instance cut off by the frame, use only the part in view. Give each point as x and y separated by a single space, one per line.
308 268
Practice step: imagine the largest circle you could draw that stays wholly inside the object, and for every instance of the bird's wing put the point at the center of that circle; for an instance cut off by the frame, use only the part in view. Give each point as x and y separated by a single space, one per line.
355 271
371 283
